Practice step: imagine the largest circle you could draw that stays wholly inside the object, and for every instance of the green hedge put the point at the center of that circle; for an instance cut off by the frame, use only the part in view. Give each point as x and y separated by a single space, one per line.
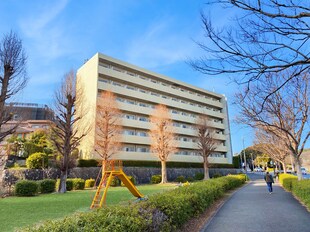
286 181
87 163
47 185
26 188
77 183
37 160
301 189
199 176
162 212
155 179
89 183
69 185
181 179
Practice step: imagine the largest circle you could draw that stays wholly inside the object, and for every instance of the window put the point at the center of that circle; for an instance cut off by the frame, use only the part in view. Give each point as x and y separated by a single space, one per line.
143 104
128 116
117 84
129 149
143 149
154 81
129 132
131 102
105 65
131 74
130 87
142 91
143 119
104 80
142 133
185 114
120 99
175 112
154 94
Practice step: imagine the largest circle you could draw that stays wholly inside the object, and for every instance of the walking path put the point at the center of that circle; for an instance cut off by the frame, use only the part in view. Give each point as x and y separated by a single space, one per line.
253 209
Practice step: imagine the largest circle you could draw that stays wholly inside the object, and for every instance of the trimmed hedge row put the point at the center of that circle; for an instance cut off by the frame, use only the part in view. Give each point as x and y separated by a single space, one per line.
162 212
301 189
286 181
154 164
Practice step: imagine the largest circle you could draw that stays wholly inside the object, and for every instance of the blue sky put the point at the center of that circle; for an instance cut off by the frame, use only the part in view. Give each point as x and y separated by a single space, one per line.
156 35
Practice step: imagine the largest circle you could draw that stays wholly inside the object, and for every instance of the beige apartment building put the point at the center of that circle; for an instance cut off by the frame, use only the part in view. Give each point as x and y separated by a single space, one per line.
137 91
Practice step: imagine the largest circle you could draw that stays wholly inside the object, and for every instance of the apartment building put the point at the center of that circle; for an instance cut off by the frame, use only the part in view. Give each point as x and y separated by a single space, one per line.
138 91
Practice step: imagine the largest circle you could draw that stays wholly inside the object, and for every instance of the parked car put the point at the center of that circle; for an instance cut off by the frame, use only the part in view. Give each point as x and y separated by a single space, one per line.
258 169
303 171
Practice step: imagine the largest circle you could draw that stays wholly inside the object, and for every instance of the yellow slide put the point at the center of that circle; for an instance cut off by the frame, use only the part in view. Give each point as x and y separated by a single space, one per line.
132 188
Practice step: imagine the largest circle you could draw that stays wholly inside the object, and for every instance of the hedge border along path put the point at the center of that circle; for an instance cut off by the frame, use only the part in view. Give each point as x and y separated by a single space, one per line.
300 189
162 212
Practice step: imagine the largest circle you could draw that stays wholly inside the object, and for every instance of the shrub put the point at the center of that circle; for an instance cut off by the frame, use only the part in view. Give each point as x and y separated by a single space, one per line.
286 181
180 179
37 160
199 176
47 185
69 185
77 183
26 188
216 175
89 183
87 163
131 178
162 212
301 189
115 182
190 179
155 179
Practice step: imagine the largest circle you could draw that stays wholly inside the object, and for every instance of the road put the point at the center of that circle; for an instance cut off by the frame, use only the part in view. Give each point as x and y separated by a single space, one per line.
253 209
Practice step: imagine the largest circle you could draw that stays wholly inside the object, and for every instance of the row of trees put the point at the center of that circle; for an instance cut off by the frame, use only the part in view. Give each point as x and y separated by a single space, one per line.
162 133
265 50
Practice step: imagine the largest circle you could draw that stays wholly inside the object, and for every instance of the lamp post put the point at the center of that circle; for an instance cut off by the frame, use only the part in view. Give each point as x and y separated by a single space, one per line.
244 156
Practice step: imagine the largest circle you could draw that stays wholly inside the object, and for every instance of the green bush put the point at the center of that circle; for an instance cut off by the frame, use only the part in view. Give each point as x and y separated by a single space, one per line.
87 163
37 161
131 178
26 188
286 181
199 176
31 148
115 182
180 179
89 183
301 189
47 185
162 212
216 175
155 179
69 185
77 183
190 179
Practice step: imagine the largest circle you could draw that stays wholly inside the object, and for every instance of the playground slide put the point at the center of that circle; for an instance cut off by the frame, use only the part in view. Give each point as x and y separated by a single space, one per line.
123 177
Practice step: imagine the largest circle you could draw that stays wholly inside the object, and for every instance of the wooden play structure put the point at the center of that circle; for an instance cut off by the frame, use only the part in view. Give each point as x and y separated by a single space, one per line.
112 169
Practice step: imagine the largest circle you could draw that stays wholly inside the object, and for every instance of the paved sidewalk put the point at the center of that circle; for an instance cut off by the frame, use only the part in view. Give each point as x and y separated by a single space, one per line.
253 209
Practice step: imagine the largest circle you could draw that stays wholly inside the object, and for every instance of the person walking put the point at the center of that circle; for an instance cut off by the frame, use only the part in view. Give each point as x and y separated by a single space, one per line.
269 180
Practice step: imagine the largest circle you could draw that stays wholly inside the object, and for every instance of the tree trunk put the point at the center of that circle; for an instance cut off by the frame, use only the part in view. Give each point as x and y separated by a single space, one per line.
163 172
206 169
298 167
284 167
63 178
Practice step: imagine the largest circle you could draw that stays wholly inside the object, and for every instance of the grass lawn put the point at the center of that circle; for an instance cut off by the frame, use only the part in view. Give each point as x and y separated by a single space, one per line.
18 212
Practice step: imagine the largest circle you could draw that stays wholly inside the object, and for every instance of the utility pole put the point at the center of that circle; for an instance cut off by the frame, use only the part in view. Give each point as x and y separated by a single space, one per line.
244 156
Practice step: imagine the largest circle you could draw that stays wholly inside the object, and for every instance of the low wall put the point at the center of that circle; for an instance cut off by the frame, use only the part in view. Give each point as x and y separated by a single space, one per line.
141 174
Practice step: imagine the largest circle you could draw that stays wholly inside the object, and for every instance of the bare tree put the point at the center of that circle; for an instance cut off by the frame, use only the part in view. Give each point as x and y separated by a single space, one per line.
285 113
273 146
108 127
13 78
266 36
162 135
206 142
67 135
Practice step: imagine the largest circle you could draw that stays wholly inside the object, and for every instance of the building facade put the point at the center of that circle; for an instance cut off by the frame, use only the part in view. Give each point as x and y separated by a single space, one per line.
29 111
138 91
